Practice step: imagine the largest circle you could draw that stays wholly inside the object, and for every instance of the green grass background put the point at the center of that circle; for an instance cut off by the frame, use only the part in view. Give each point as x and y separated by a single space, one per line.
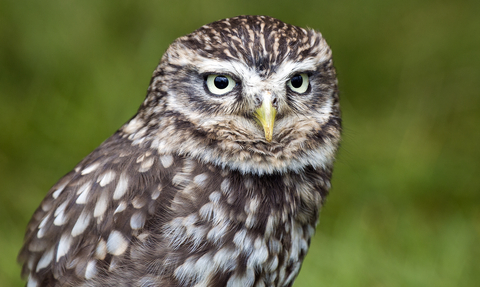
404 207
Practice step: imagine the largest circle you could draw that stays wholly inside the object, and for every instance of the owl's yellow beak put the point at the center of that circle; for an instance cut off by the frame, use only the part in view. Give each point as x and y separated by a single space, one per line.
265 116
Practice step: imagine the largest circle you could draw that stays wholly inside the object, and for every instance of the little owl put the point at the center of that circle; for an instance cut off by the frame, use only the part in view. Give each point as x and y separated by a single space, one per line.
216 181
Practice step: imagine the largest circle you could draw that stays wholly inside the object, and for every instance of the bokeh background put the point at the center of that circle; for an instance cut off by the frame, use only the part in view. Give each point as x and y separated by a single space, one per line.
404 208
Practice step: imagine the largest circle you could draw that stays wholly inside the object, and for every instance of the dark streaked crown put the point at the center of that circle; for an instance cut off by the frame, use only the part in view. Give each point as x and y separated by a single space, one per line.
261 42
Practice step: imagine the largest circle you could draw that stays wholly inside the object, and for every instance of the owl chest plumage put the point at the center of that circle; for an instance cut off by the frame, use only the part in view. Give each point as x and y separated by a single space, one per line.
218 227
229 228
170 220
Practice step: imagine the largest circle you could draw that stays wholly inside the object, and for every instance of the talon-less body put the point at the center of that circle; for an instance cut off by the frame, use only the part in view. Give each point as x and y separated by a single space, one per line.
216 181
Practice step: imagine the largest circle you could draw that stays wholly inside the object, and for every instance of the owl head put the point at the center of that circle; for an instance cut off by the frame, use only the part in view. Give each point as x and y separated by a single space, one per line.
249 93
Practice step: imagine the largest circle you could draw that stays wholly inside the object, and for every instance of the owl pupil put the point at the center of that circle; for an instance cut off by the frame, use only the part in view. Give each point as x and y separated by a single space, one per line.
297 81
221 82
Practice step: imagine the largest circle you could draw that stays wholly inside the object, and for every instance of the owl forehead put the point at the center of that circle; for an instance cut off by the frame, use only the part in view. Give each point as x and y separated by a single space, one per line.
261 43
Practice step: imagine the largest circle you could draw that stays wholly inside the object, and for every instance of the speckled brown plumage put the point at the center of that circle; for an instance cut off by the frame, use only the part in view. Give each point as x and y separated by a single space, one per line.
192 191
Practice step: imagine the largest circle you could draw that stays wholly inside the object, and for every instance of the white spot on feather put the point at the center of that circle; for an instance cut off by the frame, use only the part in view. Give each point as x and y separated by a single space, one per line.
90 168
47 205
138 202
61 208
274 245
137 220
82 223
175 231
156 193
166 160
142 237
225 259
215 197
60 218
217 232
138 141
180 179
91 269
101 250
83 193
63 245
310 230
196 270
45 260
225 186
121 207
41 229
59 190
273 264
121 188
31 262
251 220
101 206
183 272
194 232
271 224
106 178
133 126
298 242
116 243
147 164
44 221
206 211
32 282
259 254
243 241
245 280
203 266
254 204
201 179
239 237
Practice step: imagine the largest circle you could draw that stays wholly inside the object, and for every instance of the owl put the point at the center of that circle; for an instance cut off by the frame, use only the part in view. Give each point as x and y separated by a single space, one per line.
218 179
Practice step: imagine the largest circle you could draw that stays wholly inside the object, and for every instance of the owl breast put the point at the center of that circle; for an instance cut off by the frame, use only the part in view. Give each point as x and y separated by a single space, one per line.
223 228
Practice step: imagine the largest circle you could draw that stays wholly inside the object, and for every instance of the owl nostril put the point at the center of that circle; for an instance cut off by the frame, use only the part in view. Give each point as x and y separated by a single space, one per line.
275 102
258 101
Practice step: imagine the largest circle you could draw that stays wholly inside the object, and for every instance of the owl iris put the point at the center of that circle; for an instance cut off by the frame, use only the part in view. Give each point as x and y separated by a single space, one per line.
217 180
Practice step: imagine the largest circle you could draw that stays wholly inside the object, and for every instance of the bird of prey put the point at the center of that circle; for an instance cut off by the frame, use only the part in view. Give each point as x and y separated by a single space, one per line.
216 181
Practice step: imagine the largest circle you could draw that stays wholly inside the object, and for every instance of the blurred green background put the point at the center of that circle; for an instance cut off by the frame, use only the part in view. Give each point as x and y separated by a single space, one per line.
404 208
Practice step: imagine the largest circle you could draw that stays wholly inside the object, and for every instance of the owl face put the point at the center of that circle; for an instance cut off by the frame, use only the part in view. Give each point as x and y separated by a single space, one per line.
249 93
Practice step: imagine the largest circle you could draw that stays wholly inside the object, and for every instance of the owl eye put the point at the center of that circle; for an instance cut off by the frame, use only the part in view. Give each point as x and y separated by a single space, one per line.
220 84
298 83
